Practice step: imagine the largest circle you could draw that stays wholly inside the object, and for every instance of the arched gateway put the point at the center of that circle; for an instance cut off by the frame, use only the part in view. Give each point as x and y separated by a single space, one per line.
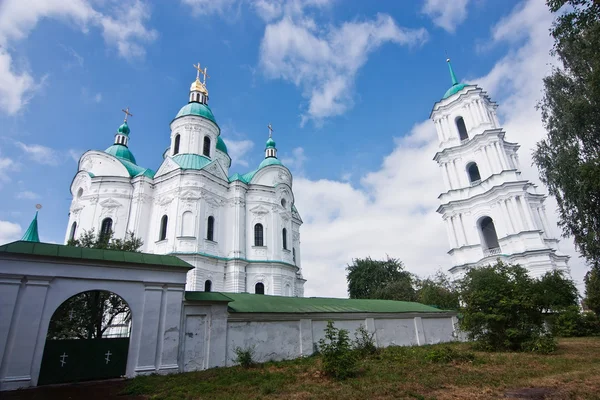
88 338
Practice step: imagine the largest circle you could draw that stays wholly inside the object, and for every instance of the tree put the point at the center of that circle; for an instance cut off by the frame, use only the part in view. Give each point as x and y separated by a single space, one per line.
554 292
568 158
592 289
501 309
373 279
438 291
91 240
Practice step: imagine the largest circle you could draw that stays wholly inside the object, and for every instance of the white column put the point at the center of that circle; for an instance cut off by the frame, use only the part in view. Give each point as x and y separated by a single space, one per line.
500 221
445 177
449 230
480 110
455 230
462 229
444 125
545 219
517 218
509 222
500 158
503 154
448 177
543 222
527 212
495 168
438 130
458 181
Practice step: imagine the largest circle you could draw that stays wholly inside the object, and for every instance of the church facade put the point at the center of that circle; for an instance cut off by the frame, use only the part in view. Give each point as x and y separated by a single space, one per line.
489 210
240 232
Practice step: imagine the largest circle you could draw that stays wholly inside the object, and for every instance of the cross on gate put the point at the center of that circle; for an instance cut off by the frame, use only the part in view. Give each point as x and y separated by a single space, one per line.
108 354
62 359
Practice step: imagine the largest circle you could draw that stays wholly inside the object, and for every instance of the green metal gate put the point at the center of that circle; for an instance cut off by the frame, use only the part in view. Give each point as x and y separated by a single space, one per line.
76 360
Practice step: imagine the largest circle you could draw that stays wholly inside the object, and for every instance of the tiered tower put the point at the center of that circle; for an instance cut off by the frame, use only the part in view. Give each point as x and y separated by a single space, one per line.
489 210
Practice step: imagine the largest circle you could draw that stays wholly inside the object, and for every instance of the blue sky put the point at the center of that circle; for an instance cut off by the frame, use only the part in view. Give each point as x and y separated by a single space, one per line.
347 85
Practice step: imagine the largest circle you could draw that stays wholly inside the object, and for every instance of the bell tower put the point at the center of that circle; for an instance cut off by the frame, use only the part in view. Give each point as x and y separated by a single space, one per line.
489 210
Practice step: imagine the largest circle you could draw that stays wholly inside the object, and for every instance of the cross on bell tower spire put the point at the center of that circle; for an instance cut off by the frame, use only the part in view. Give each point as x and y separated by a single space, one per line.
270 150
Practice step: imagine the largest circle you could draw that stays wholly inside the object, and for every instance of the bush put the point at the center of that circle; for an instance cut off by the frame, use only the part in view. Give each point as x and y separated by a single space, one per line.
446 354
244 357
544 343
573 323
364 343
339 361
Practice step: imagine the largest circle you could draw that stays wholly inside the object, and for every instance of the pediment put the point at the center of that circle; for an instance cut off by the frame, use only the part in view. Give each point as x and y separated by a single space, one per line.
259 210
215 168
110 203
190 195
167 166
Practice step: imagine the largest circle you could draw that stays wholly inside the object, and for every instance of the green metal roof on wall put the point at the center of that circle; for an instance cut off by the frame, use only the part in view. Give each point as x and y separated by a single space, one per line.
124 129
191 161
269 161
83 253
256 303
120 151
31 235
270 143
454 89
221 145
198 109
135 170
247 177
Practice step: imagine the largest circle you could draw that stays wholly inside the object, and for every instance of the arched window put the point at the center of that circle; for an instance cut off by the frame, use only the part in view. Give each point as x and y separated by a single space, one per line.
283 203
106 228
258 235
259 288
207 285
73 229
473 172
206 148
187 224
210 228
284 237
163 227
488 232
294 254
462 129
80 193
287 291
176 145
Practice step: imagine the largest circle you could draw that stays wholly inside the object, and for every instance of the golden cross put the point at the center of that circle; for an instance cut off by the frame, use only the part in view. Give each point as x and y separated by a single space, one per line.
205 75
270 129
127 113
198 70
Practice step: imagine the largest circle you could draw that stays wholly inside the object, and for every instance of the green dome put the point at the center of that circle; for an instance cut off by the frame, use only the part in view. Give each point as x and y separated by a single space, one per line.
221 145
120 151
124 129
270 143
269 161
454 89
198 109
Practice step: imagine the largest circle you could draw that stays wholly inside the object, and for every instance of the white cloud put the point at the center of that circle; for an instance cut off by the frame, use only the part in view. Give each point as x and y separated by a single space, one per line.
393 212
9 232
45 155
237 150
446 14
122 25
7 165
323 61
27 195
209 7
98 97
296 161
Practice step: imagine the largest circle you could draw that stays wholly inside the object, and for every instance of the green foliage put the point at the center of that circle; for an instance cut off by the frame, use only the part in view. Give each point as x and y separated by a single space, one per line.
244 357
501 308
438 291
592 289
568 158
543 343
373 279
447 354
87 315
573 323
92 240
555 292
365 341
339 361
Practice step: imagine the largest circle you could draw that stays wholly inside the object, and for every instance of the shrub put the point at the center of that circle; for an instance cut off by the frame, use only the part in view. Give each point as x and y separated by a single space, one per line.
339 361
244 357
544 343
365 342
573 323
446 354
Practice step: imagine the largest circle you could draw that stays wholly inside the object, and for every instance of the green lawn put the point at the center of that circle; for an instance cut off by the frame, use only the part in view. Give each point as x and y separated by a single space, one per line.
573 372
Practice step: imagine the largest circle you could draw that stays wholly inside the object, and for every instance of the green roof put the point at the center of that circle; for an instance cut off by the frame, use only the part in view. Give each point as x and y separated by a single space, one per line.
270 143
247 177
221 145
454 89
124 129
257 303
136 170
269 161
198 109
83 253
191 161
120 151
31 235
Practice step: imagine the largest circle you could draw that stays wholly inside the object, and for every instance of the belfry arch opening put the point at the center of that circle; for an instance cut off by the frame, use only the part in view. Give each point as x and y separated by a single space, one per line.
462 128
488 234
473 172
87 339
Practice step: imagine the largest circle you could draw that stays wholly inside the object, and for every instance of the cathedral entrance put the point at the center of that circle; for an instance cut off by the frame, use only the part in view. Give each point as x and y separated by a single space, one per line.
88 338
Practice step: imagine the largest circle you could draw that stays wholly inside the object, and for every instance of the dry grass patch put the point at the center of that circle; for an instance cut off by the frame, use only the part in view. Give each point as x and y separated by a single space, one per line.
573 372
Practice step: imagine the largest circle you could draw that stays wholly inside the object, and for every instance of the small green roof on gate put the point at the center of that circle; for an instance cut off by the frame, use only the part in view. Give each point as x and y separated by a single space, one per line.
83 253
258 303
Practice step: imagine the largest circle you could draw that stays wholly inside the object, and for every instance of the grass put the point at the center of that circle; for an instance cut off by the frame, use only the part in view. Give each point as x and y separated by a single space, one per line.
572 372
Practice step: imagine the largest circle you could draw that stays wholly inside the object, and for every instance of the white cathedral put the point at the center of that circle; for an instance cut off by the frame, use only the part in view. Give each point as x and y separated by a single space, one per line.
489 210
240 232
